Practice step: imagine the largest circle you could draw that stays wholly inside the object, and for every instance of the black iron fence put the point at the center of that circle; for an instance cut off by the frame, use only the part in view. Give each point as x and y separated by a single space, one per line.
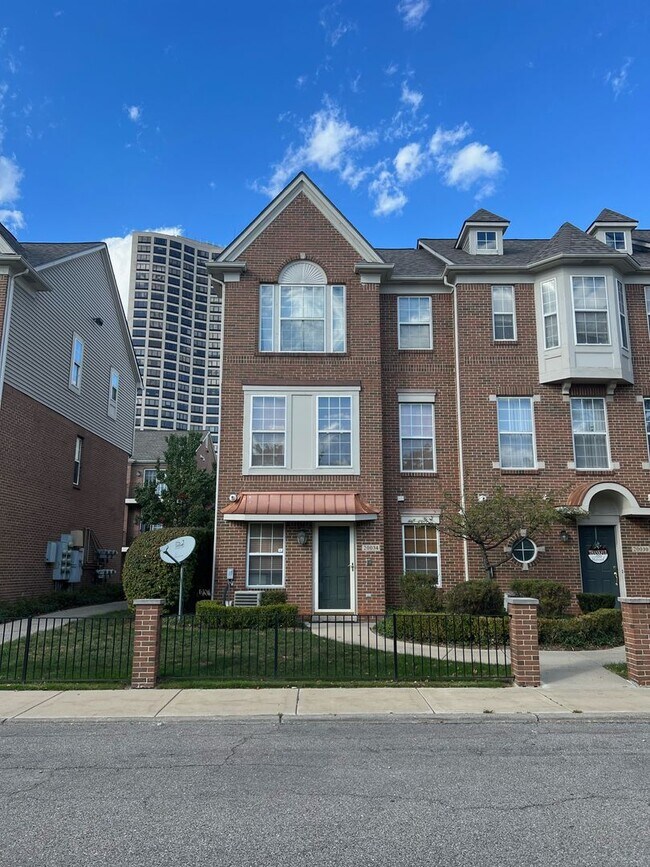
66 649
397 647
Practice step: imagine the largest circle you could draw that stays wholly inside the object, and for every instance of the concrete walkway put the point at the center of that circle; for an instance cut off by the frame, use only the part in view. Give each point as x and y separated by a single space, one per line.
16 629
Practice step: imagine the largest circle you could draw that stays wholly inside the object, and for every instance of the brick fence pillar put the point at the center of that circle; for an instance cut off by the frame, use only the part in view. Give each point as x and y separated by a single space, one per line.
146 643
524 641
636 630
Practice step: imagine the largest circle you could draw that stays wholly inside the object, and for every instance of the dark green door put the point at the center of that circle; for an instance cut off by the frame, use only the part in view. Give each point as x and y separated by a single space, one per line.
334 568
598 559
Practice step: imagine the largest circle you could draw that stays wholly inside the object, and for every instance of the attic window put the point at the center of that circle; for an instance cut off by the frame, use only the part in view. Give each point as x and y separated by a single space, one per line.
486 242
615 240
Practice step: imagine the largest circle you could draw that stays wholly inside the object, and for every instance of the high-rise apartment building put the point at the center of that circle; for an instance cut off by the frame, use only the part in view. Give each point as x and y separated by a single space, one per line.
175 319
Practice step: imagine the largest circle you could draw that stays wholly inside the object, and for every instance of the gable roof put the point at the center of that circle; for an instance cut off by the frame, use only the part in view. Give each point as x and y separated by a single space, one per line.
517 252
483 216
151 445
300 184
11 241
609 216
39 255
409 263
571 240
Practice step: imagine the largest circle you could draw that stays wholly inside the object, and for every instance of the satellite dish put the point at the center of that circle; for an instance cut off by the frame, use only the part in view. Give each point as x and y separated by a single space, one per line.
178 549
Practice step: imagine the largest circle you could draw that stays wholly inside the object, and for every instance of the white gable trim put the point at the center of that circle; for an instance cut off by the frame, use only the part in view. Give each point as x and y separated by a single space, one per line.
300 184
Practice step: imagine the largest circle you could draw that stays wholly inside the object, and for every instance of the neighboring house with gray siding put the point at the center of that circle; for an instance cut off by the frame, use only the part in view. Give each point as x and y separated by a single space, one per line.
68 383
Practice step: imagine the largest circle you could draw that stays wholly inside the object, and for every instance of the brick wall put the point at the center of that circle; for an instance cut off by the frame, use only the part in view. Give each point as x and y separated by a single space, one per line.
38 501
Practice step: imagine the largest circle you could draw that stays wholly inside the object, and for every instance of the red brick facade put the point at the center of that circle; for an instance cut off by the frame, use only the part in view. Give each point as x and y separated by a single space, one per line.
39 501
487 369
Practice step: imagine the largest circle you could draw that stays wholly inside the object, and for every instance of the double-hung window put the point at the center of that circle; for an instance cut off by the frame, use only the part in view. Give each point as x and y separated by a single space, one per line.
149 477
516 433
414 322
265 555
589 424
590 310
76 363
417 435
334 431
504 326
622 314
302 318
421 545
615 240
268 431
76 467
113 391
646 409
486 242
549 313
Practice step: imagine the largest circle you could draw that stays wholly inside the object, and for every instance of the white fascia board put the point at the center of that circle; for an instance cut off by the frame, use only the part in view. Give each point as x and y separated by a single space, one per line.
423 246
300 184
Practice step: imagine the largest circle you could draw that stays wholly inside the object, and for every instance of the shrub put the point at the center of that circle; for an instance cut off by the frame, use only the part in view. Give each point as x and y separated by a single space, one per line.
447 629
210 613
475 597
419 592
589 602
274 597
554 598
589 631
145 576
58 600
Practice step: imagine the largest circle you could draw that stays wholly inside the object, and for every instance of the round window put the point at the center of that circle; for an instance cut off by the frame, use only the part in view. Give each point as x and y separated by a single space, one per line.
524 550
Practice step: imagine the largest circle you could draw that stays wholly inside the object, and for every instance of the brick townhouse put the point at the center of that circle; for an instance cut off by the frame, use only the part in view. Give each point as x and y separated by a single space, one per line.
68 381
361 387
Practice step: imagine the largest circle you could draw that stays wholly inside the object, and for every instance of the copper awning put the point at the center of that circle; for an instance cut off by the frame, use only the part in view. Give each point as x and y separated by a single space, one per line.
298 505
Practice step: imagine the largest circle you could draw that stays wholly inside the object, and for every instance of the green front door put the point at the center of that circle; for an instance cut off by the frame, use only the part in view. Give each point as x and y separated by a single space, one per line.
334 569
598 559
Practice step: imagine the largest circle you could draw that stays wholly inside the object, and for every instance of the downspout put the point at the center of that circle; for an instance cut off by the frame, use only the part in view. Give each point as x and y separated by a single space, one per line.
6 324
218 463
459 415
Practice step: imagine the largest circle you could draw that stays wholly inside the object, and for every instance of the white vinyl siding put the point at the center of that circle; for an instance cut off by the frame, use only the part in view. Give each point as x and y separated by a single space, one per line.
504 325
516 433
590 440
591 314
265 562
414 322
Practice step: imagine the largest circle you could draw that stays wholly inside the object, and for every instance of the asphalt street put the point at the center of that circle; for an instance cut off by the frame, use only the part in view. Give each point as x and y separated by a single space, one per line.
469 791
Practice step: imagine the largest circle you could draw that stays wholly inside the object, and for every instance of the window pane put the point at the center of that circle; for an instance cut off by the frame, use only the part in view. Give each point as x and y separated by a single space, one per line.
302 336
421 548
515 421
265 554
338 319
334 431
503 312
266 318
589 433
268 431
591 328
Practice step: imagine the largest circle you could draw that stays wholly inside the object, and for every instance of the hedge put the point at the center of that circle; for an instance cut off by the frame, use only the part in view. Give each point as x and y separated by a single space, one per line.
209 613
275 596
446 628
554 598
145 576
482 597
589 602
588 632
420 592
59 600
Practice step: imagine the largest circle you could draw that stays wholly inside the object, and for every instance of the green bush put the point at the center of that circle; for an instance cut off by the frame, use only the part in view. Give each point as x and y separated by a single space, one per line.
276 596
419 592
554 598
587 632
446 629
59 600
210 613
145 576
475 597
589 602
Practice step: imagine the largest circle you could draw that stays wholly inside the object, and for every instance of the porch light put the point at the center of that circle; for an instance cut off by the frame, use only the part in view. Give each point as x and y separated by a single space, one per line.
564 536
301 537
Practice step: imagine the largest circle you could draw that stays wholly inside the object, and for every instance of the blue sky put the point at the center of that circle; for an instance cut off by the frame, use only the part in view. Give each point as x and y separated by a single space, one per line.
409 114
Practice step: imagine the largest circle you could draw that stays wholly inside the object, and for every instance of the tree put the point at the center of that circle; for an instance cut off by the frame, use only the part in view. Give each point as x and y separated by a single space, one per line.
183 494
492 522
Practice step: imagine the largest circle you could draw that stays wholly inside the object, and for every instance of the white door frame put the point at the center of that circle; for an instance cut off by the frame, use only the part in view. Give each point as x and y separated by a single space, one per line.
352 567
606 521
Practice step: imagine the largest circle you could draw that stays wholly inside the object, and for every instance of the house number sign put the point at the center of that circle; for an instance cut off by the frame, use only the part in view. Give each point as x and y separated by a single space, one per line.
598 555
371 549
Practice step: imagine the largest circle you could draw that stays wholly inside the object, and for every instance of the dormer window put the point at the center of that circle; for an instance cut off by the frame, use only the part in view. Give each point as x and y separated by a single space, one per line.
615 240
486 242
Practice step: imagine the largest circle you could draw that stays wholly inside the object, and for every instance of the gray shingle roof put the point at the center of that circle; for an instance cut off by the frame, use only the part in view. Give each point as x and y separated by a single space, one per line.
609 216
411 263
517 252
43 254
571 239
149 445
483 216
12 240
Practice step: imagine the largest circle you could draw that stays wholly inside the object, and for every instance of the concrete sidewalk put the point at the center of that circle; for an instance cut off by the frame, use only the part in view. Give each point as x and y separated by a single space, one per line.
13 630
308 702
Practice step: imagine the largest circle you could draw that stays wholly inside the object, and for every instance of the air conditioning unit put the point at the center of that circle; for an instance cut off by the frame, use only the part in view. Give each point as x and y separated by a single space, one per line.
247 598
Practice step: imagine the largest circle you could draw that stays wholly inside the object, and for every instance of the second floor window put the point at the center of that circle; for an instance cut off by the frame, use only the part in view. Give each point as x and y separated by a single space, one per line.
589 424
334 431
549 313
417 441
268 431
302 318
503 313
414 322
622 314
516 435
590 310
76 362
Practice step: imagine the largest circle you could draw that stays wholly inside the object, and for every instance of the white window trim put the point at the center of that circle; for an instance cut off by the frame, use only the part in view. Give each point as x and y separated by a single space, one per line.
573 307
78 456
418 397
314 391
553 282
610 464
71 385
430 521
250 586
512 339
112 404
400 323
329 328
621 309
536 464
493 251
622 232
315 411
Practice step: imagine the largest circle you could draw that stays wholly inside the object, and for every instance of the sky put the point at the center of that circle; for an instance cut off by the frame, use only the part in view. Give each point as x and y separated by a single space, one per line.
409 114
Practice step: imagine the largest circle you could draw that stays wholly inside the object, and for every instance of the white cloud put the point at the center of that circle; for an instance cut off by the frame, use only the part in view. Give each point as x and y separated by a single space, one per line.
133 112
391 69
389 198
475 164
410 162
445 138
329 141
412 98
119 249
13 220
333 24
412 12
10 177
618 81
